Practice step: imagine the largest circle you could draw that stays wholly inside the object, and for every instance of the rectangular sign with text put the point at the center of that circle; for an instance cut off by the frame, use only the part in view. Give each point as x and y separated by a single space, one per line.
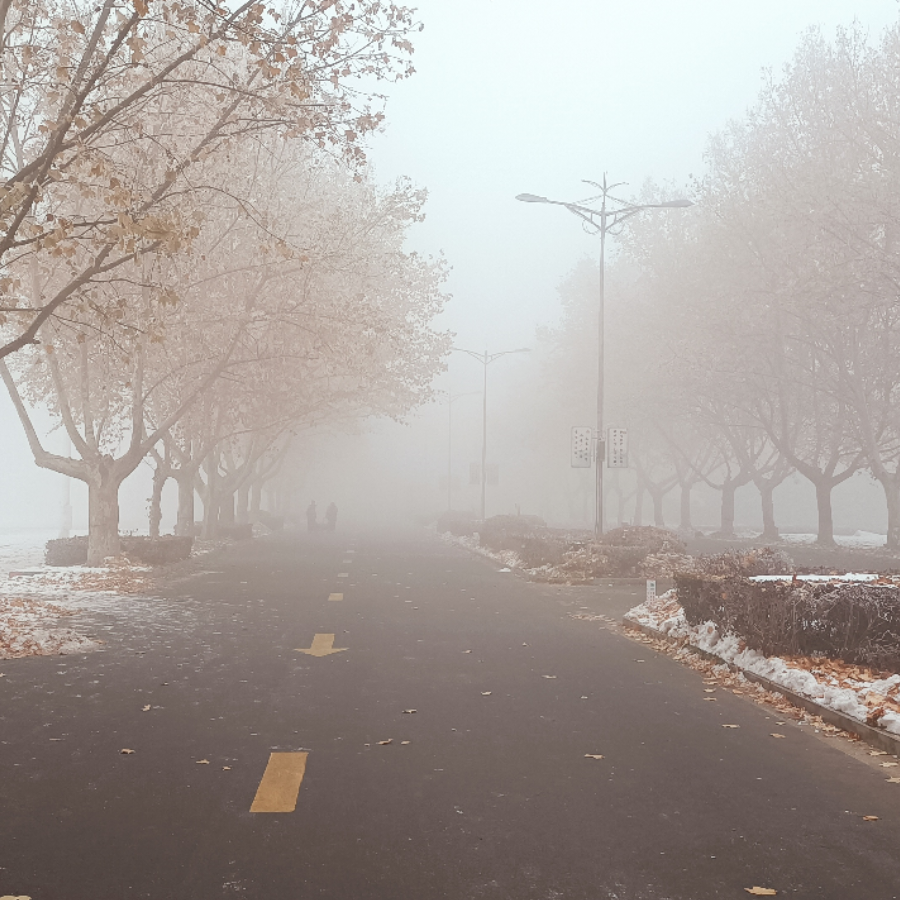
617 448
581 447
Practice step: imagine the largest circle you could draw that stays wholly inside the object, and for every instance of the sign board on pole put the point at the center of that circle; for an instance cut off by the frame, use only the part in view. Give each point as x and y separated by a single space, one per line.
581 447
651 589
617 448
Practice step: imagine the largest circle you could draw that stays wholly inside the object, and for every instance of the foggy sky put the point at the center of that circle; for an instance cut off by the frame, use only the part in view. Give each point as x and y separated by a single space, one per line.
514 96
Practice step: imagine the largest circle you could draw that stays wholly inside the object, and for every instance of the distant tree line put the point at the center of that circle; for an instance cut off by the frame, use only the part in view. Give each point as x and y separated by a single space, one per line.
195 264
758 334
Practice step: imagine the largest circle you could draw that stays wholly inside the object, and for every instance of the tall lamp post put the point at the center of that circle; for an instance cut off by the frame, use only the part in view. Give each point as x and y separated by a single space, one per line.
486 359
605 220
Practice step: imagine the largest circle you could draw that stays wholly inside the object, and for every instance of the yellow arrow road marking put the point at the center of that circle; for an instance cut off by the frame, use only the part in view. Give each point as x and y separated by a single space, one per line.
277 792
322 645
335 596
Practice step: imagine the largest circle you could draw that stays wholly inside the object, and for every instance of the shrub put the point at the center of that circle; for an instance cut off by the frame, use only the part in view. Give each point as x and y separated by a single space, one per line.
150 551
857 622
458 522
242 532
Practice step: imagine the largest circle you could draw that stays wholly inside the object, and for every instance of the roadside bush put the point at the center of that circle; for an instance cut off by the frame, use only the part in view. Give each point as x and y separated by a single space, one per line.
150 551
458 522
527 536
66 551
159 551
856 622
242 532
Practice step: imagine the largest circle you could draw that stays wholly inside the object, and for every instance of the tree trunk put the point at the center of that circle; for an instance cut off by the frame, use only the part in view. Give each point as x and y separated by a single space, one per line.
727 525
211 500
243 504
658 519
826 521
255 499
159 480
638 518
226 509
767 501
103 521
686 505
891 488
184 524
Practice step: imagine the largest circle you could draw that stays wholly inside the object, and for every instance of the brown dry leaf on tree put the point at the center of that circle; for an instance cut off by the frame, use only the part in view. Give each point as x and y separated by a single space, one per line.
761 891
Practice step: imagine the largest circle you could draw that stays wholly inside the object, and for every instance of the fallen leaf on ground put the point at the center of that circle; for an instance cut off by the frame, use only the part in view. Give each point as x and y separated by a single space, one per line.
870 818
384 743
226 768
202 762
735 691
761 891
467 651
709 690
409 712
711 699
127 752
485 693
776 735
549 676
878 753
888 765
593 756
145 708
731 726
404 742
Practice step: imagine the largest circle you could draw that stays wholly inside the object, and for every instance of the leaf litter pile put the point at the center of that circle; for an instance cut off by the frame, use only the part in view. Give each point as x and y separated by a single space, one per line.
30 627
857 691
35 603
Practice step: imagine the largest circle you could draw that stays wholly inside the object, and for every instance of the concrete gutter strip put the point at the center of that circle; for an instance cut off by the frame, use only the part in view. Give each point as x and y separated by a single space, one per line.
875 737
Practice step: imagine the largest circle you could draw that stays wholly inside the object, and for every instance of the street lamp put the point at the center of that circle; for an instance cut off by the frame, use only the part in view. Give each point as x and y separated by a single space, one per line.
603 221
486 359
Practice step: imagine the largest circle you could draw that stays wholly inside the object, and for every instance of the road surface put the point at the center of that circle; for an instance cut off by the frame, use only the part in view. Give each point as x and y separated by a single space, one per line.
483 791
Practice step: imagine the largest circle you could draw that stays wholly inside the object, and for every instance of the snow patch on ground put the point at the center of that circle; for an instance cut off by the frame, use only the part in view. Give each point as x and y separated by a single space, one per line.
507 558
852 690
45 610
860 540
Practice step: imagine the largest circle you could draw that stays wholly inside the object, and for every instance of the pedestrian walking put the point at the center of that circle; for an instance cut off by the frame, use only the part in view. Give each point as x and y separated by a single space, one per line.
311 517
331 516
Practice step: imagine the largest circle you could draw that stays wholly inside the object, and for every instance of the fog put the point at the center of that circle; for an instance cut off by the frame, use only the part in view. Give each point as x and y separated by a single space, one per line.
506 99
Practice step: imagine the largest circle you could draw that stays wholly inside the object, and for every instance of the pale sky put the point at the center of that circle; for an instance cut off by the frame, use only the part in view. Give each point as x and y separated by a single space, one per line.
517 96
513 96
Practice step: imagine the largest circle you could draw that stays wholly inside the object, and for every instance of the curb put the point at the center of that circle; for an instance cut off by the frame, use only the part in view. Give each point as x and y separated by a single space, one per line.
875 737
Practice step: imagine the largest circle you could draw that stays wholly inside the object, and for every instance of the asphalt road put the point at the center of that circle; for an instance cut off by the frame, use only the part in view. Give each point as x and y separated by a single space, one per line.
493 796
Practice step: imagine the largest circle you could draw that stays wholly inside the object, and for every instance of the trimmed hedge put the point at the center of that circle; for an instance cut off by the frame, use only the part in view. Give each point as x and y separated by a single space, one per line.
856 622
458 522
150 551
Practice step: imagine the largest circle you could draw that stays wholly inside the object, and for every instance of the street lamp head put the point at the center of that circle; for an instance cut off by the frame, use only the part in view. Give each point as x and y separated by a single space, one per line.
681 203
531 198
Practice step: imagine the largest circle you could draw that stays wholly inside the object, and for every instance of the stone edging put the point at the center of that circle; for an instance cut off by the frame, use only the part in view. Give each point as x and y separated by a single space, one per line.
875 737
